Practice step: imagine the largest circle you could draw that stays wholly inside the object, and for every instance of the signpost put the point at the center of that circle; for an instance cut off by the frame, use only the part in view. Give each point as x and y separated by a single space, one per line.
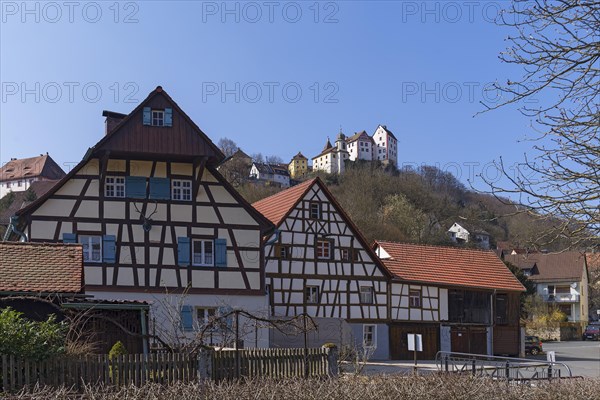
415 343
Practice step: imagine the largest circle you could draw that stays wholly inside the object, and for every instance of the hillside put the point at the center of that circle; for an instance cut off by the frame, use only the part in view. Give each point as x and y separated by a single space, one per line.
420 205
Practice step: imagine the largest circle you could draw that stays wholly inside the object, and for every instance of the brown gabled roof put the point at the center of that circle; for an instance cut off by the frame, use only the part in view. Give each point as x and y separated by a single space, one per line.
38 187
357 135
24 168
299 156
565 266
448 266
276 207
41 267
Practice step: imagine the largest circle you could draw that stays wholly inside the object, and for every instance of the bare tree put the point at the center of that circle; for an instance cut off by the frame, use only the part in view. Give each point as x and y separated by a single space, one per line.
558 45
258 157
227 146
273 160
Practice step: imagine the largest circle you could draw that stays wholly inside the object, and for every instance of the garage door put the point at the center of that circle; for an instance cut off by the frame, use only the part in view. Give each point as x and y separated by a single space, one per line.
399 341
468 339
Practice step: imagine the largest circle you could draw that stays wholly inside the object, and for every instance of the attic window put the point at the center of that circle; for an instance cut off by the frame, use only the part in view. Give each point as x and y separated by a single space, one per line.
158 117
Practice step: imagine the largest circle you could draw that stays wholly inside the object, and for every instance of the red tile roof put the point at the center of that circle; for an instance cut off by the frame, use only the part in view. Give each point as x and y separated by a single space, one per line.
565 266
448 266
42 165
41 267
276 207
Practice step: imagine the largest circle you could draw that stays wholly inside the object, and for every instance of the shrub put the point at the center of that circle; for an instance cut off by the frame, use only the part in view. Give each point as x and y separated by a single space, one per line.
30 340
118 349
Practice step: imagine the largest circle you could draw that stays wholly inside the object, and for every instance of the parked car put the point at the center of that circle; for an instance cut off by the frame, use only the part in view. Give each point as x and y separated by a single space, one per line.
592 332
533 345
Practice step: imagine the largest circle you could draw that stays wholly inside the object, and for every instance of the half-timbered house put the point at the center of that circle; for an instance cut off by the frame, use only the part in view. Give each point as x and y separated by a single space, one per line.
318 263
459 300
156 220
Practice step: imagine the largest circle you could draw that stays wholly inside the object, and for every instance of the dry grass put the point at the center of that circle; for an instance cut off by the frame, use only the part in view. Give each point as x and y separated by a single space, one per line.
356 387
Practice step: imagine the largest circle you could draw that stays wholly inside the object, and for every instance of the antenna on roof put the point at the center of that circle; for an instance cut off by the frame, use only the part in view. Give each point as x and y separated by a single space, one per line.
340 128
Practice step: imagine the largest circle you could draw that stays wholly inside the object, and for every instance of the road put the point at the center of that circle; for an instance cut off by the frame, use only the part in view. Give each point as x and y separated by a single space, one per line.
582 357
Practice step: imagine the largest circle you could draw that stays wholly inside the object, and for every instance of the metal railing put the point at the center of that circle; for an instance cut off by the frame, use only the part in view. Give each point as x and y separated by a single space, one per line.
502 368
562 298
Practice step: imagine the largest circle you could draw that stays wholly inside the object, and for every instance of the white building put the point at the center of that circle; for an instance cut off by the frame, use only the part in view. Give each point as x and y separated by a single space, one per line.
273 173
360 146
459 234
385 147
18 174
333 158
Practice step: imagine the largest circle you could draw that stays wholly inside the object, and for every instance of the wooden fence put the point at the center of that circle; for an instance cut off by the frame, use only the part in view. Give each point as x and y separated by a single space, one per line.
274 363
137 369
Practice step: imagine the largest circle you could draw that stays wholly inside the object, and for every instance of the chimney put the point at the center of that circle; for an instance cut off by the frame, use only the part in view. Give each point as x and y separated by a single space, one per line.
112 120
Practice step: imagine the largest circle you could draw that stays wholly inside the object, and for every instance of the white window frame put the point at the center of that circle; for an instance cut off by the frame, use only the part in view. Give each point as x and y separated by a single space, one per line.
114 186
157 118
369 330
207 314
204 261
181 189
311 294
367 295
318 210
88 252
323 245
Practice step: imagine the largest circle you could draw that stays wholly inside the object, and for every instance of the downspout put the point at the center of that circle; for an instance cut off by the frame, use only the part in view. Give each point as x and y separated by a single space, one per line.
275 239
12 228
144 331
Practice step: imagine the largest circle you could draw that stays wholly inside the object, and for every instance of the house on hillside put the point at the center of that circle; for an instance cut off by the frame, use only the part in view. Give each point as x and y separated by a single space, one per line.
41 279
18 175
318 263
270 174
560 279
460 300
360 146
298 166
385 146
158 223
458 233
332 159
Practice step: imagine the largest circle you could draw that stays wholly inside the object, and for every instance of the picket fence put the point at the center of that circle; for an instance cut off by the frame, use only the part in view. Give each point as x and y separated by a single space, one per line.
165 368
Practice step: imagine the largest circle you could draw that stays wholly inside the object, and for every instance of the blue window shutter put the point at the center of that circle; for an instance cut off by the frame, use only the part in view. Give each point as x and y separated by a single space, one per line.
109 249
221 252
147 118
187 318
69 238
183 251
168 117
160 189
135 187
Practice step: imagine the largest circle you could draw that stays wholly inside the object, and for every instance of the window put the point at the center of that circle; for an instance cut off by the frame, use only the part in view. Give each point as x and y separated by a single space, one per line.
158 118
203 253
501 309
283 252
565 308
311 294
205 315
181 190
7 185
115 186
92 248
315 210
19 183
414 298
345 253
366 295
323 249
369 335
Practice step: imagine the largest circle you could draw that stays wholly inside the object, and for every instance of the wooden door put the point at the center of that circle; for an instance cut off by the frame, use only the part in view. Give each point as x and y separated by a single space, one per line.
468 339
399 341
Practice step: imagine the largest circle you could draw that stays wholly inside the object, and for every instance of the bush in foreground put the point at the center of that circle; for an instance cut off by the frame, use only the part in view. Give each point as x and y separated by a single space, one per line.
441 387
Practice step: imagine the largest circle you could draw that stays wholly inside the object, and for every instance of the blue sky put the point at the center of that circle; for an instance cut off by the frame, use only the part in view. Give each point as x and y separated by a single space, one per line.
418 67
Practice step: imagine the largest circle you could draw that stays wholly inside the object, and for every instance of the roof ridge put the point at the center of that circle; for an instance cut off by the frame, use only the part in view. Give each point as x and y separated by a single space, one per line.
442 246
